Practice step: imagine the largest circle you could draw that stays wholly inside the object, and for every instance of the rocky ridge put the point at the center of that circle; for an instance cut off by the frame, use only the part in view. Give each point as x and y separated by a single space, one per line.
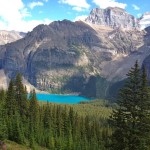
68 56
113 17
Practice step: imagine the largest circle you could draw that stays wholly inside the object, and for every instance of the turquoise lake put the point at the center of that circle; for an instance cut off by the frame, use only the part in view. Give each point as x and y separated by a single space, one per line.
63 99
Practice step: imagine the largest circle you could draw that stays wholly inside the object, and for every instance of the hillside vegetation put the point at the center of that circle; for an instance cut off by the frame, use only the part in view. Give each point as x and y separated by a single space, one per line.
54 126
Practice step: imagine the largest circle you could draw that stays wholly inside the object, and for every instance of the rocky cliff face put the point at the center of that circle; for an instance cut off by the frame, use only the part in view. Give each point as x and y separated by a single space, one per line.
50 55
113 17
10 36
68 56
64 55
146 61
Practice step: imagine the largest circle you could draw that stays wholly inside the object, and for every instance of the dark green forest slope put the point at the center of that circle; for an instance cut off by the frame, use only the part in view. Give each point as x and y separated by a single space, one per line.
58 127
94 125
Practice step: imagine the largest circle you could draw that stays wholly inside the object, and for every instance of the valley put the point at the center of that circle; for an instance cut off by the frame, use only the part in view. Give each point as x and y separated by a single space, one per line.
76 85
67 56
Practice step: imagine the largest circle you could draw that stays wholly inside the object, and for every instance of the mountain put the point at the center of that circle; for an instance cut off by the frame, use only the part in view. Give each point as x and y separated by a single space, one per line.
78 57
113 17
10 36
144 21
51 54
146 61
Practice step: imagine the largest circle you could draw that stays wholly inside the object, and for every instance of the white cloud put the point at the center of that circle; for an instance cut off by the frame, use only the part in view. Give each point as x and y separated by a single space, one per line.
15 18
29 25
78 5
135 7
82 18
45 0
12 10
23 25
34 4
109 3
78 9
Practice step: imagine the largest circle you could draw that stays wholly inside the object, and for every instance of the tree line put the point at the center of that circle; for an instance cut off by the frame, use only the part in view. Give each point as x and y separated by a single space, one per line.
55 127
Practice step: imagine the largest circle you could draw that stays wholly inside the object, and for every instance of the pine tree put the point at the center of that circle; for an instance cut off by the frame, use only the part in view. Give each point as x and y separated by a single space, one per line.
21 97
34 113
2 98
11 104
51 126
144 111
16 129
132 113
47 117
3 125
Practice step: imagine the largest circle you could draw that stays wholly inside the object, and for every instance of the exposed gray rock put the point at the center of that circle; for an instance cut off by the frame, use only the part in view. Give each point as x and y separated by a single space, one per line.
113 17
146 61
10 36
59 55
68 55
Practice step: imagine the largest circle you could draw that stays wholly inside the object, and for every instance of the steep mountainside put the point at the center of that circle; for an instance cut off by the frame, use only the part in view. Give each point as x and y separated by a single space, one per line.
113 17
146 61
70 56
10 36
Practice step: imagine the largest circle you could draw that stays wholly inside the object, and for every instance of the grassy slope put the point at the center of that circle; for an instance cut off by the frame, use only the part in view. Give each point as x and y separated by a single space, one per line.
14 146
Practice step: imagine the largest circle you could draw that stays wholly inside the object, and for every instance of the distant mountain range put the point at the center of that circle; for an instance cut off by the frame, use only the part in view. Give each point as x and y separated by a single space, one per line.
10 36
118 18
87 57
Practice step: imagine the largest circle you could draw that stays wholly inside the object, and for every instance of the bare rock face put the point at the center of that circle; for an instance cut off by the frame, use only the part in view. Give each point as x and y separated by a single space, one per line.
146 61
64 54
67 56
10 36
51 54
113 17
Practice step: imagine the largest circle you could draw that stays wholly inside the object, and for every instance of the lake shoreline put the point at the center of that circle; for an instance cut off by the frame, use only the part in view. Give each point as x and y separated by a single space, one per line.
61 98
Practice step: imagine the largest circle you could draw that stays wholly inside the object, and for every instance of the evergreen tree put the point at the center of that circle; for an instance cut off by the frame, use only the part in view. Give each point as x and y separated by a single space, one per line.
21 97
33 114
51 126
18 134
2 98
131 118
11 104
3 125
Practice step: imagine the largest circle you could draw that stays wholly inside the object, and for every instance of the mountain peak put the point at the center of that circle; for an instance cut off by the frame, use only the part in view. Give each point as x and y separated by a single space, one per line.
116 8
113 17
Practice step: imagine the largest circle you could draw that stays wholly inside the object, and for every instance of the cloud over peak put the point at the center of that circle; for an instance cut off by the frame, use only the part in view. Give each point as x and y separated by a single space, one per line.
135 7
109 3
81 18
15 18
78 5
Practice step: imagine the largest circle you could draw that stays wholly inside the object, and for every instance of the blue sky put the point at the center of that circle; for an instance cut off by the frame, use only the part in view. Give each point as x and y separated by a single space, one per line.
24 15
